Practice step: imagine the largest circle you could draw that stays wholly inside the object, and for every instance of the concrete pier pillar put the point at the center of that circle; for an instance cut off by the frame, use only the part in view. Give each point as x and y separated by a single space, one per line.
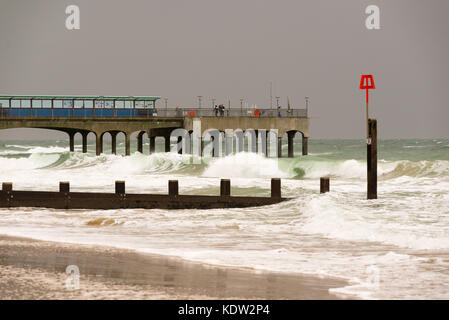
140 141
173 188
152 145
291 136
84 135
275 188
127 144
229 142
167 143
225 188
279 147
216 142
257 142
179 145
324 184
114 142
202 147
305 148
99 144
262 141
72 141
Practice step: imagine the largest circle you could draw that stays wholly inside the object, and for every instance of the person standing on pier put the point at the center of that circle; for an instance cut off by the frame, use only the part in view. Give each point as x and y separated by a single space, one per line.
216 110
221 109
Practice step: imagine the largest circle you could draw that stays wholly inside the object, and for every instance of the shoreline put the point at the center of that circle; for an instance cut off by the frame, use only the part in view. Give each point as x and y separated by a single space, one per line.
35 269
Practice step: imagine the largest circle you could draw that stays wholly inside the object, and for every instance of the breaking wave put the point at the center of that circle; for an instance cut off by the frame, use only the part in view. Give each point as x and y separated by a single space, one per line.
241 165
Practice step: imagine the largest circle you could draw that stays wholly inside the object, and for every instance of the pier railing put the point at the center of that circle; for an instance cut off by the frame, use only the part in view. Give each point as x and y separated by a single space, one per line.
149 113
232 112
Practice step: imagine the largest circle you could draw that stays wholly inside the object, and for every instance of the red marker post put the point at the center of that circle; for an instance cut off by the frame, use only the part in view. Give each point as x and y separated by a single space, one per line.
367 82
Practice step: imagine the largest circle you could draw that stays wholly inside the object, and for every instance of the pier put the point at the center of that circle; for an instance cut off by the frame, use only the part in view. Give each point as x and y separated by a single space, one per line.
65 199
112 115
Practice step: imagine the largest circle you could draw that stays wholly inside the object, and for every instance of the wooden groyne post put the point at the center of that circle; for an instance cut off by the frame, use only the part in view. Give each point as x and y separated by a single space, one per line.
276 188
64 187
324 184
225 188
66 199
372 159
173 188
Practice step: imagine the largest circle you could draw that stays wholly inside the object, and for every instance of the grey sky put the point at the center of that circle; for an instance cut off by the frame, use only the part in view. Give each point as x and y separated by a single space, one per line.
232 49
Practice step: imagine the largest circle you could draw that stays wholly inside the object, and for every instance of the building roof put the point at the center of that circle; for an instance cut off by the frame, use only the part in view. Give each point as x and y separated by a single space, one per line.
28 97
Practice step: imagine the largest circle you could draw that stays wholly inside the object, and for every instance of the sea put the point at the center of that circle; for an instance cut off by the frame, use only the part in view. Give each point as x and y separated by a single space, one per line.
395 247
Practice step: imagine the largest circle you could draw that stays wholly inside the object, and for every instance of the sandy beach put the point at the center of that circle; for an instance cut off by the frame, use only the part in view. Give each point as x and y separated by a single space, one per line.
31 269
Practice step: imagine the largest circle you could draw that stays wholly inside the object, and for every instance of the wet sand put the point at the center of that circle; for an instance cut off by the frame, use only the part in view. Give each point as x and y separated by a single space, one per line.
31 269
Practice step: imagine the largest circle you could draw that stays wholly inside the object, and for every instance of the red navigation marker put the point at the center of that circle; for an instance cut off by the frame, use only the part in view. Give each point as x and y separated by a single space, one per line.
367 82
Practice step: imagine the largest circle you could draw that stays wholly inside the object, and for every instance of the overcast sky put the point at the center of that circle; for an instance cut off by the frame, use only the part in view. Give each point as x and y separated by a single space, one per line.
232 49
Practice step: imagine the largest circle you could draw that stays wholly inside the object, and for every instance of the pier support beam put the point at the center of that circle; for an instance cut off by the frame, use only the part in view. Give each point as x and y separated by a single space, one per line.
99 144
72 141
140 141
291 136
202 147
305 147
279 147
229 135
257 142
167 143
262 136
84 135
372 159
114 142
179 145
152 145
127 144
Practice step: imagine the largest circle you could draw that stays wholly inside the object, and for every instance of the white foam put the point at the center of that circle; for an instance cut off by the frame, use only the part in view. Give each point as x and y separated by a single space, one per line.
244 165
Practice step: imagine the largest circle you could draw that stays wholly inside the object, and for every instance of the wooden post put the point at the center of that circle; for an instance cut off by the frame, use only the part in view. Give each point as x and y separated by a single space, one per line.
64 187
275 188
173 189
7 186
324 184
225 188
120 187
372 159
